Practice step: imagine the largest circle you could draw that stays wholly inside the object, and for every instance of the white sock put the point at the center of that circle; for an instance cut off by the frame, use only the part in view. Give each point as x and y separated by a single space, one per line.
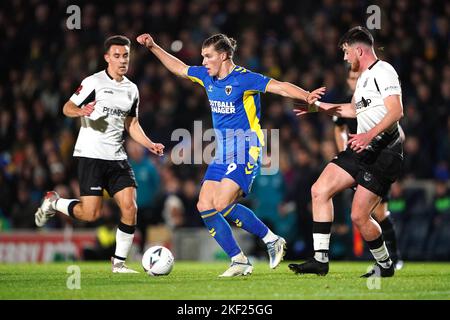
123 245
240 257
382 256
321 246
269 237
62 205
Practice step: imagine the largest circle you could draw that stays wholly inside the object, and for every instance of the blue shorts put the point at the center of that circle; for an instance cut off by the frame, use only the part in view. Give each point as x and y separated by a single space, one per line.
242 174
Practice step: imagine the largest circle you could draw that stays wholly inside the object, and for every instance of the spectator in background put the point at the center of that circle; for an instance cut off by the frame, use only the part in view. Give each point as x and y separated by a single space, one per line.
8 195
441 201
169 205
22 211
438 243
268 194
305 173
398 206
39 185
7 130
417 163
189 196
173 212
268 202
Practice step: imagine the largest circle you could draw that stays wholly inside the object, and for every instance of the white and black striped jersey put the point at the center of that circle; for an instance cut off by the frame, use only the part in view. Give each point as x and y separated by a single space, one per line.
376 83
101 134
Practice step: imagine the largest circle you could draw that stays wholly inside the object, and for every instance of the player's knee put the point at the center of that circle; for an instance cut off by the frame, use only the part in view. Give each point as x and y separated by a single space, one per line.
204 206
358 218
220 204
318 191
129 209
91 215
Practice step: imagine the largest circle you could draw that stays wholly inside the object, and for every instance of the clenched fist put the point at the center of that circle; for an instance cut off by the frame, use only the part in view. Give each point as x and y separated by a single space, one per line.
146 40
87 109
157 148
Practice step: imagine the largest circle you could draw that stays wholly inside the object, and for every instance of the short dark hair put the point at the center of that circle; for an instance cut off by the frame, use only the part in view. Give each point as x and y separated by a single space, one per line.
356 34
116 40
221 43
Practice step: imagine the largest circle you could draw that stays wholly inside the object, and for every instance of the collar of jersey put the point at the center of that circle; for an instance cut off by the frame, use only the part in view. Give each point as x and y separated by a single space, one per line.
112 79
374 63
230 79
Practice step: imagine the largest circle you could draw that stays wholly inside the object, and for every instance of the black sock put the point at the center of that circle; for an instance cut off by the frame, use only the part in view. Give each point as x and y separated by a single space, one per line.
321 236
71 206
389 236
379 251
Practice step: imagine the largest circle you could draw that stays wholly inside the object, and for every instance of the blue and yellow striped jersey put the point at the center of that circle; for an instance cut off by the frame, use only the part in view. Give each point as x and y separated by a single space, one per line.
235 104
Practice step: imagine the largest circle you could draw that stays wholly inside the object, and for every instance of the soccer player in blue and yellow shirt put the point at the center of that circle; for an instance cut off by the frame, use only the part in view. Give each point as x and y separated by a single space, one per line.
233 94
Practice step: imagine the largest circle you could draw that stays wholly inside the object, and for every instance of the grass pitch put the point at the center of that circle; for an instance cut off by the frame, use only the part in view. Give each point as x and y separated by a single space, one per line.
199 281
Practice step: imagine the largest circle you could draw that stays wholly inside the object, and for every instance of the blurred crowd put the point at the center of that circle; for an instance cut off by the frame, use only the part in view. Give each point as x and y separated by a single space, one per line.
43 62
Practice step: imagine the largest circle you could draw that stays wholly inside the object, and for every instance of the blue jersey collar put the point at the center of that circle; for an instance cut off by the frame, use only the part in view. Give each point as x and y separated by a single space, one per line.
230 79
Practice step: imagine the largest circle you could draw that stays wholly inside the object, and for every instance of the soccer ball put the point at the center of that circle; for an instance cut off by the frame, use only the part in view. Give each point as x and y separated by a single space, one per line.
157 261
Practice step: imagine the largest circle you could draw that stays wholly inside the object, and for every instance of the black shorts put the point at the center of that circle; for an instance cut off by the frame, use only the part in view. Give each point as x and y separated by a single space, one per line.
386 197
112 175
374 171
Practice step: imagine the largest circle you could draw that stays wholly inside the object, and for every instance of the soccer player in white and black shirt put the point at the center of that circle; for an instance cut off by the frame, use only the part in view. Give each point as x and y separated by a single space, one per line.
373 160
342 128
107 103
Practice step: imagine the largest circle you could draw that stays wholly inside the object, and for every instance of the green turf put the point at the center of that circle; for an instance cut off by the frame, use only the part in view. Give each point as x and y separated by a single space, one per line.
194 280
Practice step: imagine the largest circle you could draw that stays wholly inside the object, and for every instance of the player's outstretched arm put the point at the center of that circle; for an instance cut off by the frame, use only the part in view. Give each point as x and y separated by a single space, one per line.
341 110
173 64
287 89
135 130
71 110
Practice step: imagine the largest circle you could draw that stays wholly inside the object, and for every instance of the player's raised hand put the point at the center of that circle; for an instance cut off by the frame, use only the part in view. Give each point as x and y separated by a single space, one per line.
157 148
315 95
87 109
146 40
